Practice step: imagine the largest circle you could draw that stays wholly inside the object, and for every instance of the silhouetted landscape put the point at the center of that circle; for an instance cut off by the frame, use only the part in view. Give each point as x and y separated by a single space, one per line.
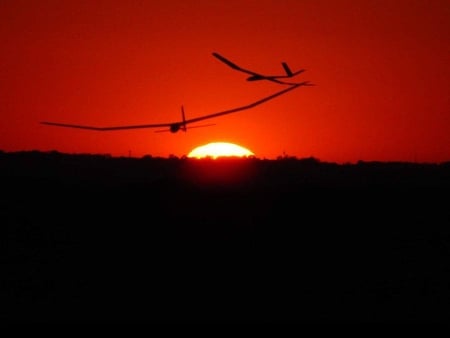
93 236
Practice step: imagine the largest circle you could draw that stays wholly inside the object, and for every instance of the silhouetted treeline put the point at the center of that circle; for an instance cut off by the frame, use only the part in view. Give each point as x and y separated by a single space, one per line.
94 236
279 173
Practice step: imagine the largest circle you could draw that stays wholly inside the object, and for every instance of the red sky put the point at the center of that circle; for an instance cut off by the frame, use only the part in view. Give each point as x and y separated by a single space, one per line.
381 67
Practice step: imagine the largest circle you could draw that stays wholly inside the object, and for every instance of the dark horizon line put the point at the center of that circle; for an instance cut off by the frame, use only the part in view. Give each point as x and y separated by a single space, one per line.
284 157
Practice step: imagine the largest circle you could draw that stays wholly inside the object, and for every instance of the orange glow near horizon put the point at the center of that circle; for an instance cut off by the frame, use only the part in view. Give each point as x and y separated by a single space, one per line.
215 150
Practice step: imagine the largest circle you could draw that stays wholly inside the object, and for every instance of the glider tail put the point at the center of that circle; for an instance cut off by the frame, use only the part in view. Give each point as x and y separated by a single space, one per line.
289 72
287 69
183 119
183 125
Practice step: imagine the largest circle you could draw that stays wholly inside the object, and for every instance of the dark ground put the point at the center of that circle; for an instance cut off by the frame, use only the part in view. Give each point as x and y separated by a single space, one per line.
86 236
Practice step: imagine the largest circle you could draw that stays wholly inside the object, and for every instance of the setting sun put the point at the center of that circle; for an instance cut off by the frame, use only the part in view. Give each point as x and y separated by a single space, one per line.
219 149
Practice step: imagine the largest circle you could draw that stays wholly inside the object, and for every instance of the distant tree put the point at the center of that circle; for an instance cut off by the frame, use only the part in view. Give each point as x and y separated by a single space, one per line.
310 160
286 157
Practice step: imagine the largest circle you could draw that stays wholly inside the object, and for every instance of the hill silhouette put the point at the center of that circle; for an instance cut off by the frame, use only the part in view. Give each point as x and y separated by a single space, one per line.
94 236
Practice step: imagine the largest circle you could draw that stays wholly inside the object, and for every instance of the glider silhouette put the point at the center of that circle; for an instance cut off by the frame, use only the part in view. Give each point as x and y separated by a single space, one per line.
174 127
257 76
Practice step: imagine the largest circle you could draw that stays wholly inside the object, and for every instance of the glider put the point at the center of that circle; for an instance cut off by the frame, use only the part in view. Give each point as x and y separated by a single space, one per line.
174 127
257 76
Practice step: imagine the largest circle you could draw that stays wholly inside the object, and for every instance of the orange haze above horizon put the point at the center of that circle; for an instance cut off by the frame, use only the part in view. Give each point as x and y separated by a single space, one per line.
381 70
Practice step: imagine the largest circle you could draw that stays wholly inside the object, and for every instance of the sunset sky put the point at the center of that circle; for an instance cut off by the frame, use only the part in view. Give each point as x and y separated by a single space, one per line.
381 69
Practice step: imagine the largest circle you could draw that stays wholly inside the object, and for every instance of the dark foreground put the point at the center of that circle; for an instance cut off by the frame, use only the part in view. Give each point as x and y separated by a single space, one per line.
92 237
